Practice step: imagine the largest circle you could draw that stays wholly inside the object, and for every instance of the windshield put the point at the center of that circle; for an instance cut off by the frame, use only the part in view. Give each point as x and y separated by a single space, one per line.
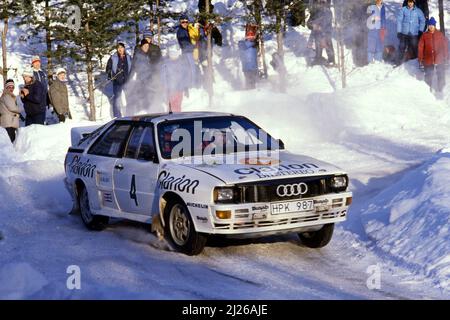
212 136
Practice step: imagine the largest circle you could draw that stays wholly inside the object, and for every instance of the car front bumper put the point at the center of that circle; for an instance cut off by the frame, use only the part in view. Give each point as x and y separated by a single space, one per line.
246 222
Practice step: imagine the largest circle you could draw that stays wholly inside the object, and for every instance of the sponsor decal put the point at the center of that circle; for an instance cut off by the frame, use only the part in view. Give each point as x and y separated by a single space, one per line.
276 171
260 161
202 219
166 181
263 208
82 169
197 205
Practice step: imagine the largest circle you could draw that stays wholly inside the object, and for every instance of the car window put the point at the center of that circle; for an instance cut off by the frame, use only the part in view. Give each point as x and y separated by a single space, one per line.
112 142
134 142
147 149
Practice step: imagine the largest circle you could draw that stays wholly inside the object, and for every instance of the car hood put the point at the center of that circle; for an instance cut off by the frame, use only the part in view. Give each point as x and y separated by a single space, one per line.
253 167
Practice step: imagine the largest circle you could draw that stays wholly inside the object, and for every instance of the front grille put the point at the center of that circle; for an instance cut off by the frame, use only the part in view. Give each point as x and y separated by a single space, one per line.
288 222
267 191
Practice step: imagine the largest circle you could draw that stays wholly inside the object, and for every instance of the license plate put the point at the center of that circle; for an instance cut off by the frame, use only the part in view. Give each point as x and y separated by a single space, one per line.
292 206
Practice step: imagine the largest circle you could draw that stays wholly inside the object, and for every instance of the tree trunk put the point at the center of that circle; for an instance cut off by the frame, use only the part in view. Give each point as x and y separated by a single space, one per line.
280 49
159 22
210 75
90 74
150 3
441 16
4 50
48 39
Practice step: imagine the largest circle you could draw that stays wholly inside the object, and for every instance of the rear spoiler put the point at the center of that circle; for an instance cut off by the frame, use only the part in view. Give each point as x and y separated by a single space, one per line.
80 134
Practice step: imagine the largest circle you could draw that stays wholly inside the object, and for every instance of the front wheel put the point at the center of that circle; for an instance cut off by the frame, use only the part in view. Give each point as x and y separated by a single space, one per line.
91 221
181 230
317 239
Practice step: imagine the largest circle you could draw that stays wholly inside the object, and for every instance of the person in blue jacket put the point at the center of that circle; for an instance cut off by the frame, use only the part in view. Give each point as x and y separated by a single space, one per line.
376 23
187 50
32 95
118 70
410 22
249 59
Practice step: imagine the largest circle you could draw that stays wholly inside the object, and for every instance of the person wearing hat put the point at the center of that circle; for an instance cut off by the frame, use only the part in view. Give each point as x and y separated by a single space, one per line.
33 96
40 76
410 21
118 69
9 110
249 57
59 97
433 55
154 51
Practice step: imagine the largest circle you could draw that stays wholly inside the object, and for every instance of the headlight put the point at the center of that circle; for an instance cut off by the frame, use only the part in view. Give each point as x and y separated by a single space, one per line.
224 195
339 183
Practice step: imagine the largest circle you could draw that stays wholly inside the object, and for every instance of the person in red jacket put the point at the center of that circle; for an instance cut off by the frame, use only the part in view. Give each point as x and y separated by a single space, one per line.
433 55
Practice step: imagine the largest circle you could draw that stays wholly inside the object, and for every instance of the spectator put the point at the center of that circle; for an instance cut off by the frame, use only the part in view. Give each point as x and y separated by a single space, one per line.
410 22
173 80
377 27
322 26
118 70
141 65
433 55
154 51
9 111
32 97
249 58
41 76
59 97
422 5
187 49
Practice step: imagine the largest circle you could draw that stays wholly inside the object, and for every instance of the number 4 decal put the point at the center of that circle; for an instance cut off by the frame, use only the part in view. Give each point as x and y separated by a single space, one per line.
133 195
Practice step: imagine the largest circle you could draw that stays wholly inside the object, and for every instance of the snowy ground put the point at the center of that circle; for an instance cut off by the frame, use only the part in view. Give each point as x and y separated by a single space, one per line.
385 129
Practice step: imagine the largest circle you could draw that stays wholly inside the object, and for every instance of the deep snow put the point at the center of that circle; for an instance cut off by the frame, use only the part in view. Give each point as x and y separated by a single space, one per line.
385 129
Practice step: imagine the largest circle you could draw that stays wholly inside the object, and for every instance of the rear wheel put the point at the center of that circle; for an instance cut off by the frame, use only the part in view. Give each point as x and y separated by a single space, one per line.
181 230
91 221
317 239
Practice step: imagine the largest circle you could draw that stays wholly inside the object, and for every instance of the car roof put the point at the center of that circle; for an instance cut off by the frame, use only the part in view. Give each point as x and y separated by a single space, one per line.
161 117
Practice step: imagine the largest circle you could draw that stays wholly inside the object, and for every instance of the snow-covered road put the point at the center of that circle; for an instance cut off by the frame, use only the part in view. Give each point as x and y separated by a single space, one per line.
126 261
386 129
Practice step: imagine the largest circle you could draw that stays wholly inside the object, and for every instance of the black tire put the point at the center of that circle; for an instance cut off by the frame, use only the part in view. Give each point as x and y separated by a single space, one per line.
317 239
181 231
91 221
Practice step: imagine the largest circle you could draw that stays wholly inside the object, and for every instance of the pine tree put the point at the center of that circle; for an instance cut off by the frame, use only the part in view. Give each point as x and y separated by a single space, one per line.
39 17
100 22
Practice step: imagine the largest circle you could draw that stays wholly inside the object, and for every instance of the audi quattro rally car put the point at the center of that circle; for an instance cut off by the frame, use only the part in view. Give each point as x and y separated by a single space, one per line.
191 175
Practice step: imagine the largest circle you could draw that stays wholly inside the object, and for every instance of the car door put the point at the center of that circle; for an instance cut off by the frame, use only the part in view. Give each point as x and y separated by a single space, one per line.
135 175
103 154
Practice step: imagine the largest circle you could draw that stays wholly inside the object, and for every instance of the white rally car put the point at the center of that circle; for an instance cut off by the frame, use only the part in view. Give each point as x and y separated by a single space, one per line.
191 175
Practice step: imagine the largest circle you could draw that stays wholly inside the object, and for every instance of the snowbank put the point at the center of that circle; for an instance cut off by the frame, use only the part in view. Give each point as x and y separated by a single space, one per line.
411 219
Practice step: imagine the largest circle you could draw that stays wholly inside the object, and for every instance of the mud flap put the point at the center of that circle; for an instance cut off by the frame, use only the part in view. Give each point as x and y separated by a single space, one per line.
157 227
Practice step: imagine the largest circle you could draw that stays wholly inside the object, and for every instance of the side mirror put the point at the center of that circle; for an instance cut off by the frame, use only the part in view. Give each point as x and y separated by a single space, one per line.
281 144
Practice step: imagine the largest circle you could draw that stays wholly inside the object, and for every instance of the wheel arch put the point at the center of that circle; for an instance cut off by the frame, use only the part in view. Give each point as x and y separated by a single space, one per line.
167 197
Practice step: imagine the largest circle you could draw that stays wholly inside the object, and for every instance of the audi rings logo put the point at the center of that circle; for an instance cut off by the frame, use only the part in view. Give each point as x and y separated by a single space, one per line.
291 190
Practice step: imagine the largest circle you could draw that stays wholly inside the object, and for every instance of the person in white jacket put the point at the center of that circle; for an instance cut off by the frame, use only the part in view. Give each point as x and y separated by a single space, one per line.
9 110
